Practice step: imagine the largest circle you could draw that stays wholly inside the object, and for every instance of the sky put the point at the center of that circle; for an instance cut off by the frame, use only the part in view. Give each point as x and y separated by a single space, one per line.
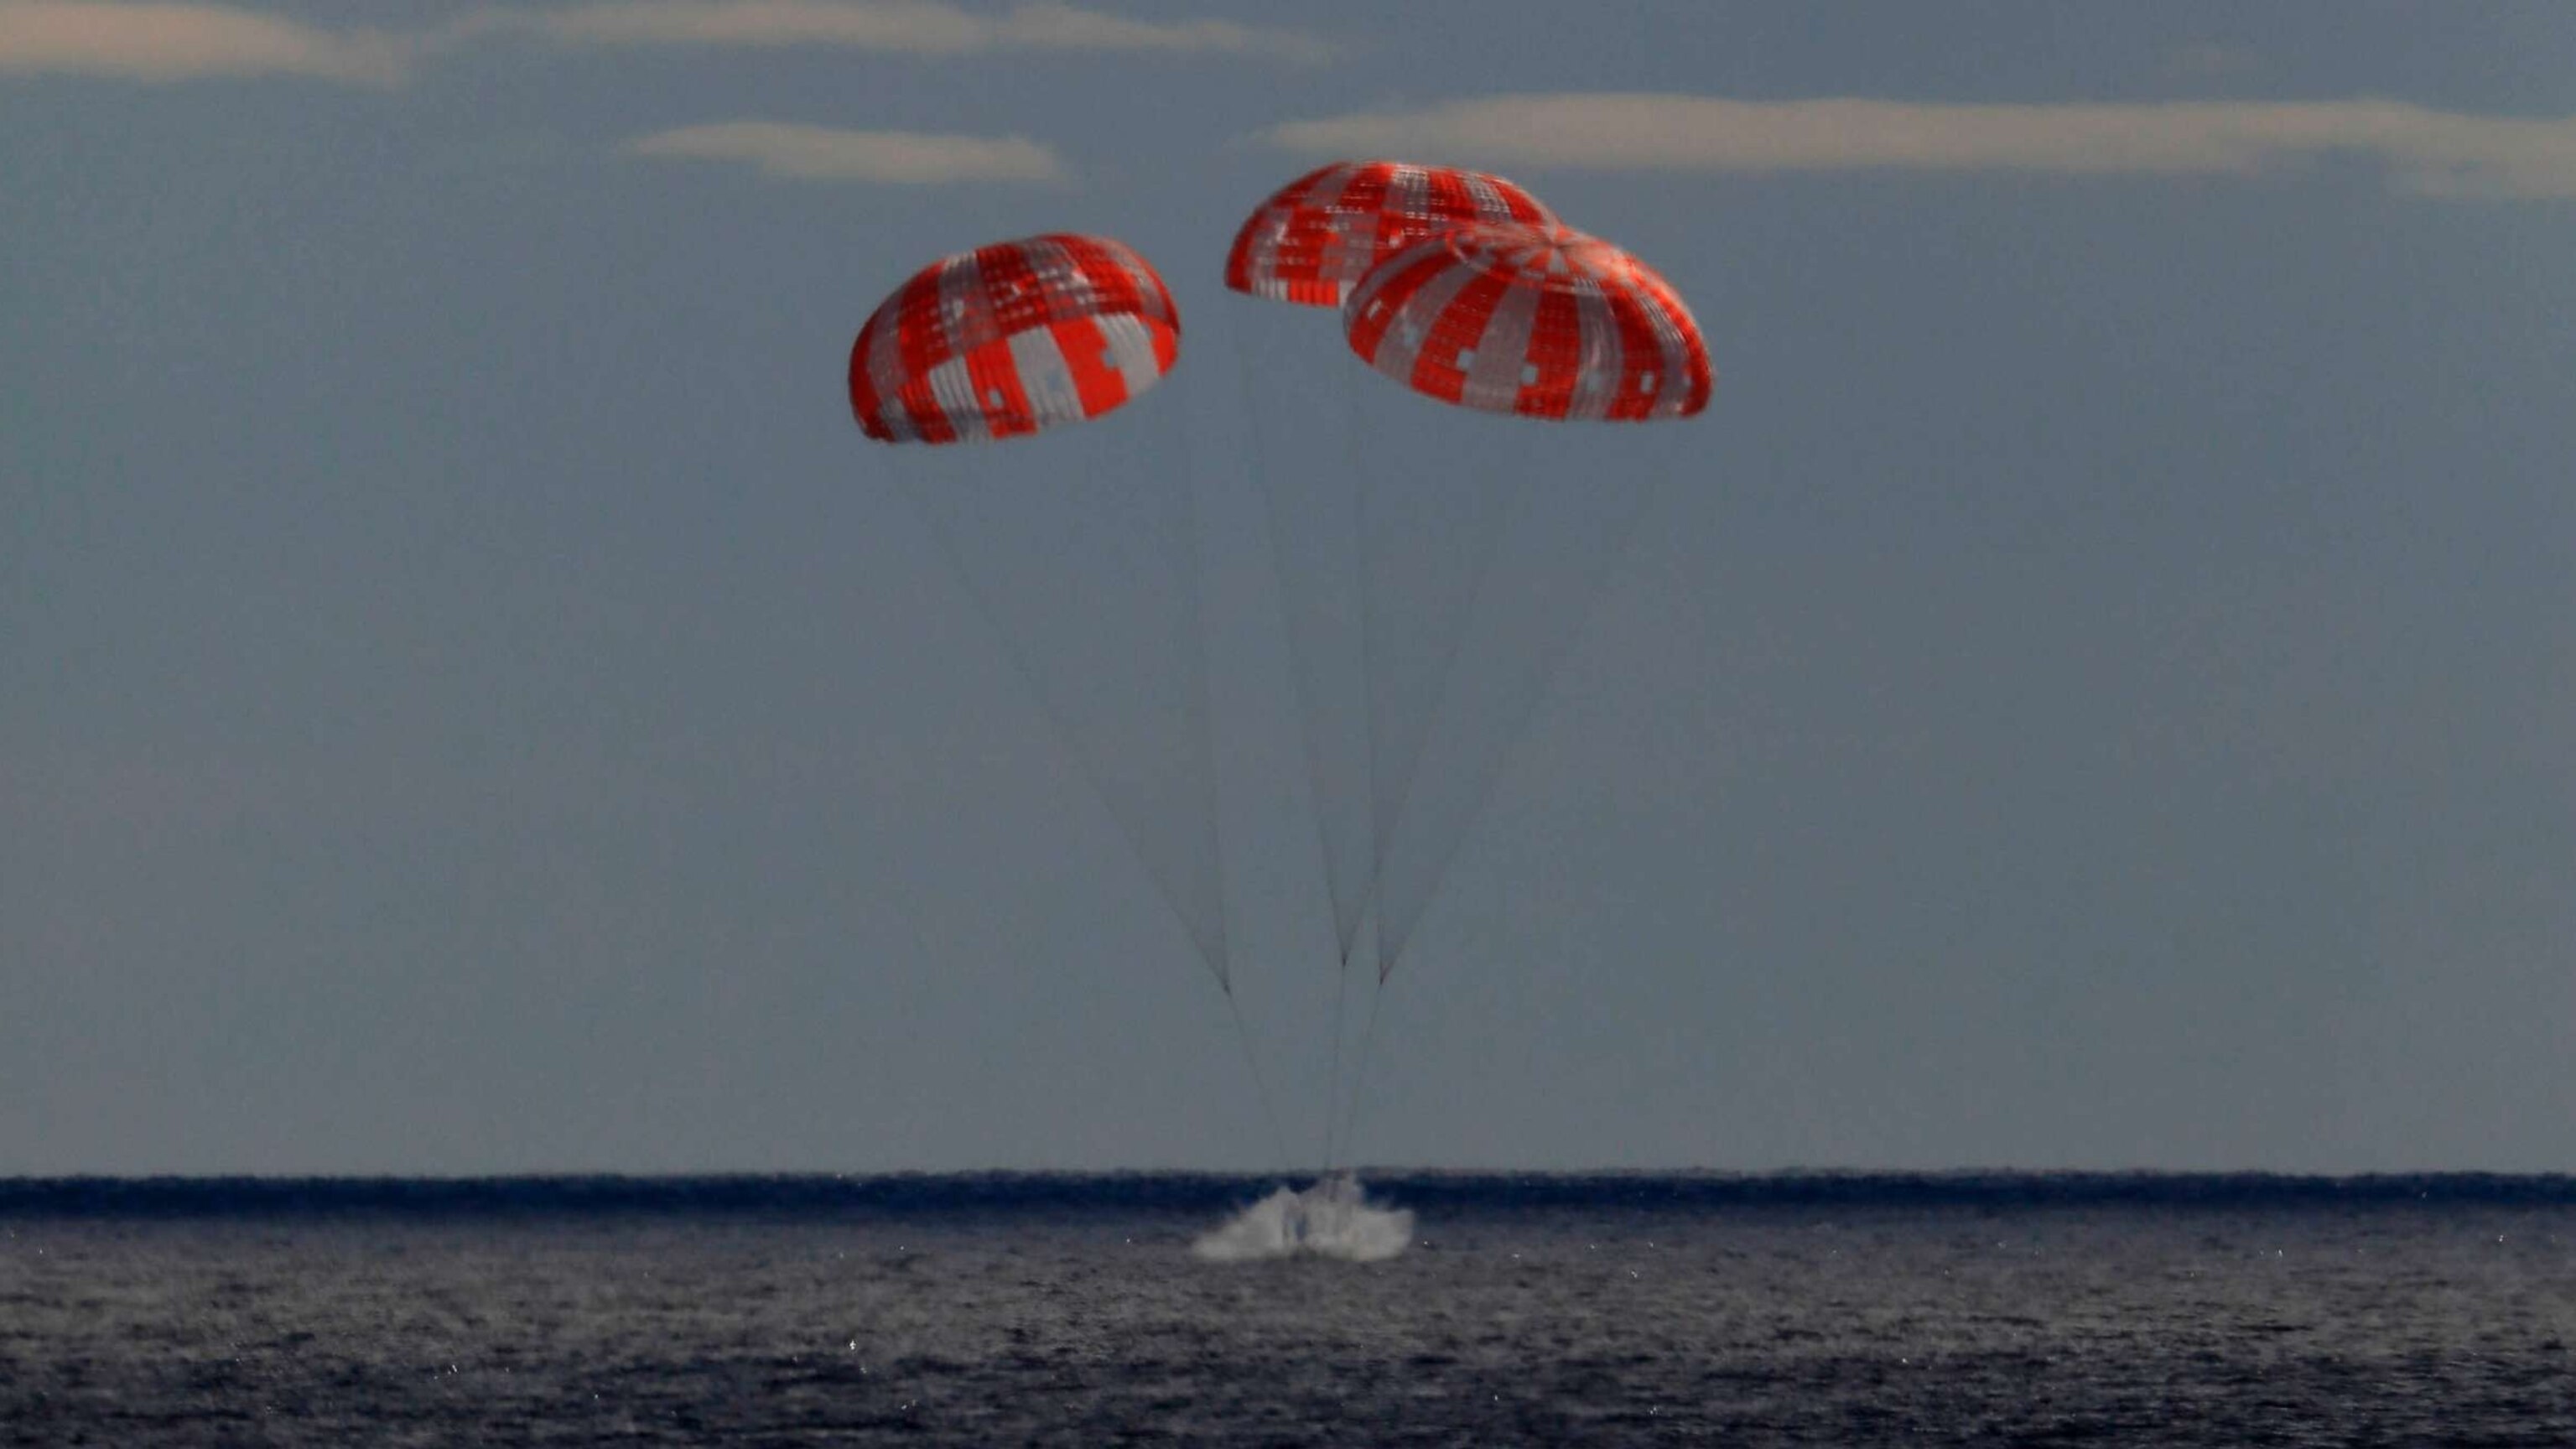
2092 691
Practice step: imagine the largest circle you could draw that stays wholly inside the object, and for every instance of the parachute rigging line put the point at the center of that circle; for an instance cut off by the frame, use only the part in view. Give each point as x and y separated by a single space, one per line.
1345 939
1487 545
1195 552
1480 794
1214 955
1300 649
1300 653
1260 1083
1333 1082
1359 1078
1359 475
1015 338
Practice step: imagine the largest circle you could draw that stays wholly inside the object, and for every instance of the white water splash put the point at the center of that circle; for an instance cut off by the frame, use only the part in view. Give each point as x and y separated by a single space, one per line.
1331 1219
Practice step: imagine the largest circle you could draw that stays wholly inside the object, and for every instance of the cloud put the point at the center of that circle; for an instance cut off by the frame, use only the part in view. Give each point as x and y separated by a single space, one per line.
916 27
2433 153
159 43
176 42
819 153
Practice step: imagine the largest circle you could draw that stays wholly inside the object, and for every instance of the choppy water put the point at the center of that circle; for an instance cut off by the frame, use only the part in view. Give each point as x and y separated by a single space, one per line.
1628 1310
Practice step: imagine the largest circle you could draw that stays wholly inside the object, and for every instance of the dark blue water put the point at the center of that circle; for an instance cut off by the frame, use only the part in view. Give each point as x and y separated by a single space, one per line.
1070 1310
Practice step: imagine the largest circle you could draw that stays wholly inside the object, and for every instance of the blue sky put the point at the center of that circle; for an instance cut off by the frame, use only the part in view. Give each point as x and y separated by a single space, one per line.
2092 691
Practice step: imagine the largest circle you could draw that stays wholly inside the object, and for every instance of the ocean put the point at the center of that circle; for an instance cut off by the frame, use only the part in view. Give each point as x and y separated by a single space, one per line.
1167 1309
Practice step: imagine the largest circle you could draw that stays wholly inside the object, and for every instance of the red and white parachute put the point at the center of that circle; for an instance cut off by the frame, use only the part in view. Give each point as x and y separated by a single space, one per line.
1013 338
1542 321
1312 240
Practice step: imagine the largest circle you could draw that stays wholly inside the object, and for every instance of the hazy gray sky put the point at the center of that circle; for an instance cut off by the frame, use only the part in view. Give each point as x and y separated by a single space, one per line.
2095 689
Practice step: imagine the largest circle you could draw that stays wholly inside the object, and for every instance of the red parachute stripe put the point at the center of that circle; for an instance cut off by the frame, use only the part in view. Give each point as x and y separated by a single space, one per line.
1555 352
999 398
1455 332
1099 385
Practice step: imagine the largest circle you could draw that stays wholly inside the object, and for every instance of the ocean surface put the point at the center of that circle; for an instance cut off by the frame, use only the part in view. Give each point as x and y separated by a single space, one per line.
1094 1310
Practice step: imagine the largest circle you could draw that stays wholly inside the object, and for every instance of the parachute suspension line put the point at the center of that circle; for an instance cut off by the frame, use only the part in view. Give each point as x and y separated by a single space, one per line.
1307 683
1589 600
1359 1077
1488 548
1359 475
1193 554
1067 738
1260 1084
1298 651
1358 478
1333 1088
1207 752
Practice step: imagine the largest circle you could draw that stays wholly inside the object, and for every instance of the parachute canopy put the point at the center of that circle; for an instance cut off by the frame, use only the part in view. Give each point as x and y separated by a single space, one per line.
1013 338
1542 321
1315 237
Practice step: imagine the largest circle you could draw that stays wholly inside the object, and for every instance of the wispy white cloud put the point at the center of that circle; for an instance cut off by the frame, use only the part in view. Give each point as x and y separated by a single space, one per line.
917 27
820 153
2428 152
156 43
176 42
